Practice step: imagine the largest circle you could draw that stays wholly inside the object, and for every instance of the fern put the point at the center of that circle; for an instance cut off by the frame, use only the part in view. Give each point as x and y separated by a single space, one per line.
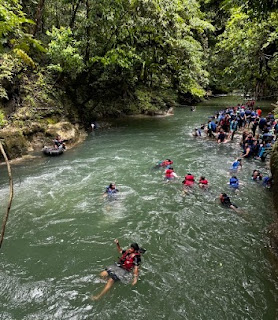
23 56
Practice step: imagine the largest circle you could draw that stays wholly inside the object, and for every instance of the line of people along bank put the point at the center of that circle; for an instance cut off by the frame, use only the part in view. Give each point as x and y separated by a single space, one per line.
258 134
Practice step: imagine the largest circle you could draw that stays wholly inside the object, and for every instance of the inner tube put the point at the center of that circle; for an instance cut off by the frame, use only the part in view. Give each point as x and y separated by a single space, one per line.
52 151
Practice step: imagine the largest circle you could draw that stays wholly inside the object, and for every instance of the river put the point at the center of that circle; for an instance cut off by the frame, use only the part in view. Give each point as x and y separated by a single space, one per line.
203 261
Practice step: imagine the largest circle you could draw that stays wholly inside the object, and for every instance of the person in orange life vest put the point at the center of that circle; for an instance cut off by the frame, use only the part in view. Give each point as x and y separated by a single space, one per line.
166 163
203 183
170 174
129 261
188 180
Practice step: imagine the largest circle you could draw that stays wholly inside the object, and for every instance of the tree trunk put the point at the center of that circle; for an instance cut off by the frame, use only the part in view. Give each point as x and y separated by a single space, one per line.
87 52
38 17
5 219
74 11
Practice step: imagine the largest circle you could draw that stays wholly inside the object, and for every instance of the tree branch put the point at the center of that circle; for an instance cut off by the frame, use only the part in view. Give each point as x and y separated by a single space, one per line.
5 219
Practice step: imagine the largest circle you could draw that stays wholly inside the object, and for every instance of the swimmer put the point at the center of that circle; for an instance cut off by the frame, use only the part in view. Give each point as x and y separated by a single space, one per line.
267 182
170 174
110 190
196 133
166 163
189 180
127 264
256 175
234 183
203 183
225 201
236 165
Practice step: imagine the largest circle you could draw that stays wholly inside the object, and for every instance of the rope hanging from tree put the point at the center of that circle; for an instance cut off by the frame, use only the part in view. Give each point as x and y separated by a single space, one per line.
5 219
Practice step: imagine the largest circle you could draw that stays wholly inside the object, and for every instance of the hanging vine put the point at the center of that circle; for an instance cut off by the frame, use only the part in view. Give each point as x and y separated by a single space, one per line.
5 219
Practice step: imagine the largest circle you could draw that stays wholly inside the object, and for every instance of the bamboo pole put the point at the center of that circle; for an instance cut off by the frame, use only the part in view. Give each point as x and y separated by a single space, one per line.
5 219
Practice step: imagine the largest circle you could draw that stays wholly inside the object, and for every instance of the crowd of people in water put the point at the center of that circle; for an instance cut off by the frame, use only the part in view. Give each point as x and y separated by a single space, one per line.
257 135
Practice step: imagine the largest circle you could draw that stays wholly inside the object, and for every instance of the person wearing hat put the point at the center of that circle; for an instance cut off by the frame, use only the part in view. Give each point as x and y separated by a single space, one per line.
121 271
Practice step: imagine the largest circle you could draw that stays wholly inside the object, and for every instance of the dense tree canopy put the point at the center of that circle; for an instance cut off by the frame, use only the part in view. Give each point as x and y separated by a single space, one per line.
131 54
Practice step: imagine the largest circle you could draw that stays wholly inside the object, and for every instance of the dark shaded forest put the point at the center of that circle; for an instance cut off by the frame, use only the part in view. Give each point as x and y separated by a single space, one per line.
132 56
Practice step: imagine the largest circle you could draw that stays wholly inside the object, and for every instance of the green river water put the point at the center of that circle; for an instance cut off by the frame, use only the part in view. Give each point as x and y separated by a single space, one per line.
203 261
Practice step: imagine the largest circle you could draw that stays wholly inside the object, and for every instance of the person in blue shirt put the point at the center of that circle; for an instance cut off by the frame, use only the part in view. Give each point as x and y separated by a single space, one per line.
236 165
233 128
234 183
267 182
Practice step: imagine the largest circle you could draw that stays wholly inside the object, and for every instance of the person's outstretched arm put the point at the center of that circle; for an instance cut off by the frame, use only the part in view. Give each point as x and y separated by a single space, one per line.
118 245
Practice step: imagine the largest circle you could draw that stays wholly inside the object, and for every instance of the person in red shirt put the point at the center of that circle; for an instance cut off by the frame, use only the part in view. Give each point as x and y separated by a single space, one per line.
259 112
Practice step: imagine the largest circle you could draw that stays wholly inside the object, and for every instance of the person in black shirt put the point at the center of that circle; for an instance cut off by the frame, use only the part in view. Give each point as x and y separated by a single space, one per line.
225 200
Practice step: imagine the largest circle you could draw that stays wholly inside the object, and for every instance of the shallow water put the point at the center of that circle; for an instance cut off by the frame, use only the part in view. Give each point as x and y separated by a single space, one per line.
202 261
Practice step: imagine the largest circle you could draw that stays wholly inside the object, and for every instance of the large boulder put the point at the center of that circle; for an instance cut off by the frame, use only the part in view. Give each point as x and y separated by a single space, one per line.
14 142
66 130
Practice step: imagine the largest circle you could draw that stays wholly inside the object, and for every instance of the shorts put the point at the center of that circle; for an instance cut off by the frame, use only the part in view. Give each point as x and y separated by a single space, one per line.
117 273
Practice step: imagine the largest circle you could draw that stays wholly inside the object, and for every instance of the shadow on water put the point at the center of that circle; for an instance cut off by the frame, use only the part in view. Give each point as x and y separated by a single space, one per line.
202 261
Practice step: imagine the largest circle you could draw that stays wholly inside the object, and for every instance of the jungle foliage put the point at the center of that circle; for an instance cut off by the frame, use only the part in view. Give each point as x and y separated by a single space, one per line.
113 56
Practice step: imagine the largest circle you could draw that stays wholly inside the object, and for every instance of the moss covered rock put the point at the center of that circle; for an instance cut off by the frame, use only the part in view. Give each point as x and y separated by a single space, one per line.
15 144
65 129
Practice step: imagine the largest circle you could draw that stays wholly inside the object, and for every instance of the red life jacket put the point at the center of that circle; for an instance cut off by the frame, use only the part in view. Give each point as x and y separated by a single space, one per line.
203 181
189 180
189 177
127 260
166 163
169 173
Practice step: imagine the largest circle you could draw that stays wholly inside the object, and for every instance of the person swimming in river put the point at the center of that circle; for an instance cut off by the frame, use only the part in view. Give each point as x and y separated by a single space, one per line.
197 132
111 190
188 180
170 174
165 163
127 264
226 202
236 165
234 183
256 175
203 183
